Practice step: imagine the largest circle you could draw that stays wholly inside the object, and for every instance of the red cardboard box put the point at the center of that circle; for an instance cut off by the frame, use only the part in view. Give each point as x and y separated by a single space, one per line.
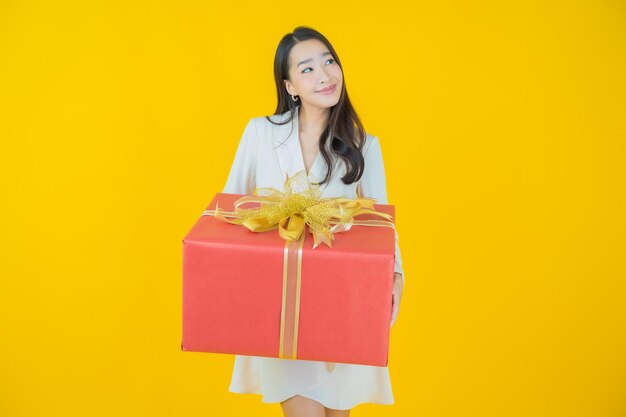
336 307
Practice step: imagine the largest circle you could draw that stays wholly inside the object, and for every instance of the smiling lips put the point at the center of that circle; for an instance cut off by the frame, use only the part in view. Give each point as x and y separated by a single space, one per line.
328 90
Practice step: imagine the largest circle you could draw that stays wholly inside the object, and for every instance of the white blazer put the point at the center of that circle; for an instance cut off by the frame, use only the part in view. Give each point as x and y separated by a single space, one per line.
267 152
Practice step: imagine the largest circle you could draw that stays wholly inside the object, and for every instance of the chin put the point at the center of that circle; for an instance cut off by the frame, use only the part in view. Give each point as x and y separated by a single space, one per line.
327 103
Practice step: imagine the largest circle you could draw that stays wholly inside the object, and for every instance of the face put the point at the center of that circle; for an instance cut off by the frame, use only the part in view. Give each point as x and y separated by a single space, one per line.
317 70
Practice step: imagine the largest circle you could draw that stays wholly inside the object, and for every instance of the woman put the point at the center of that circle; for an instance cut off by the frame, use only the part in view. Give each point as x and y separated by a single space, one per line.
314 123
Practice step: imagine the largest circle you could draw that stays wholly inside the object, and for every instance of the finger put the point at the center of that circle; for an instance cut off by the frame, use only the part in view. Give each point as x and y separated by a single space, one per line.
394 314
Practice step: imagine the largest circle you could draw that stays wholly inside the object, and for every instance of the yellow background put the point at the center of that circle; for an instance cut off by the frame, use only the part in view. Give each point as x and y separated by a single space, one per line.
503 133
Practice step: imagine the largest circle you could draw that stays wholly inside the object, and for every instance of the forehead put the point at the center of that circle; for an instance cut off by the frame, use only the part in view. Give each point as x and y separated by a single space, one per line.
311 48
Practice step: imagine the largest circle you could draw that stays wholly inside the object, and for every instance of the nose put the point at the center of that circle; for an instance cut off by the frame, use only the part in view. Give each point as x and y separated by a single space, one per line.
323 78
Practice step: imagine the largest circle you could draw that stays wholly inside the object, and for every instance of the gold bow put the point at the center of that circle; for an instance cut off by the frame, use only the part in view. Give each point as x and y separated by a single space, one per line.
299 204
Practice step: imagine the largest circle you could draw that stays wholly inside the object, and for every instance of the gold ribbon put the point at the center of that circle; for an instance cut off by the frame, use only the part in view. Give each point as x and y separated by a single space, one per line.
290 211
300 204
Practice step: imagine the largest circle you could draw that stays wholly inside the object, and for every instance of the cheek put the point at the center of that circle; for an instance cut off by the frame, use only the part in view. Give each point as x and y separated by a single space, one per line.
336 72
306 83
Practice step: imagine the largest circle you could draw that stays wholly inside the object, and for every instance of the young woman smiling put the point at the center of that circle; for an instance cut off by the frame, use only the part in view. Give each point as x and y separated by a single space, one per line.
314 128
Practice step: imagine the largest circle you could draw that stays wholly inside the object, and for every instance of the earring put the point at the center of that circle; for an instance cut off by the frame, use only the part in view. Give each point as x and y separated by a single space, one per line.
294 98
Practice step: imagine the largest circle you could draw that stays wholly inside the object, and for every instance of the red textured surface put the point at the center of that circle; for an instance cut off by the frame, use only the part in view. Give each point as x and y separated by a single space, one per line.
232 289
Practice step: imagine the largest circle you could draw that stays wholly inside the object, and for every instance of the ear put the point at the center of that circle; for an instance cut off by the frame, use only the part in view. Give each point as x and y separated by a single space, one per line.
288 87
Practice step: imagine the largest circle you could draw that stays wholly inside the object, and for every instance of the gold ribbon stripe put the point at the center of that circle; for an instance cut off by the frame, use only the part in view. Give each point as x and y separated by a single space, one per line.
363 222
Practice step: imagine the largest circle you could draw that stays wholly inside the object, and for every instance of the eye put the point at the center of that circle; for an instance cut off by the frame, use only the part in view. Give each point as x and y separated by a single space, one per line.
303 71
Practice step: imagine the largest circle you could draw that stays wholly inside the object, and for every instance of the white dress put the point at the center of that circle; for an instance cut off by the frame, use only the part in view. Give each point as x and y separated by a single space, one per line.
266 153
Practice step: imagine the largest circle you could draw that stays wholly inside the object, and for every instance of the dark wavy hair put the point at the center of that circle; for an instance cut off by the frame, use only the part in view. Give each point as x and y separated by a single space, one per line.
344 129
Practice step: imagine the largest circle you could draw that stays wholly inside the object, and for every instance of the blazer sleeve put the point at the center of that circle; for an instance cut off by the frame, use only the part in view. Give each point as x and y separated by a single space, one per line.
373 184
242 176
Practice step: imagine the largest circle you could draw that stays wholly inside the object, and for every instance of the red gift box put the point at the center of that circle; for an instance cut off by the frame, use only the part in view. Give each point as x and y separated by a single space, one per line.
254 293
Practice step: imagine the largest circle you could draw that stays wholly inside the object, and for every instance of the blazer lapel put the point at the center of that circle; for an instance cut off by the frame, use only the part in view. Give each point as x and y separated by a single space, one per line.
287 146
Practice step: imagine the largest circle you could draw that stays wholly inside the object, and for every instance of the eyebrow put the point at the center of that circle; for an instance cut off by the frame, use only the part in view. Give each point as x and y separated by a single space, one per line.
311 59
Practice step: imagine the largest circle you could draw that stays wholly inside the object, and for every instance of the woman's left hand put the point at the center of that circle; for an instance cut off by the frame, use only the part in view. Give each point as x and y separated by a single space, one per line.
398 284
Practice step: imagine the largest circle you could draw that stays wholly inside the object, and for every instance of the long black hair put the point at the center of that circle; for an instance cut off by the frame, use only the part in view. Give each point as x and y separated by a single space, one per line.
344 129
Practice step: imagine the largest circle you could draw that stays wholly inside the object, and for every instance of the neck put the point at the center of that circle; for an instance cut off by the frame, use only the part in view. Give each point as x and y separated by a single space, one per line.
313 119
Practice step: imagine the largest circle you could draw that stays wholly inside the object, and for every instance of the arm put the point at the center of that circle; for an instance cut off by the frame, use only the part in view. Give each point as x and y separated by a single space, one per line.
373 184
242 176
